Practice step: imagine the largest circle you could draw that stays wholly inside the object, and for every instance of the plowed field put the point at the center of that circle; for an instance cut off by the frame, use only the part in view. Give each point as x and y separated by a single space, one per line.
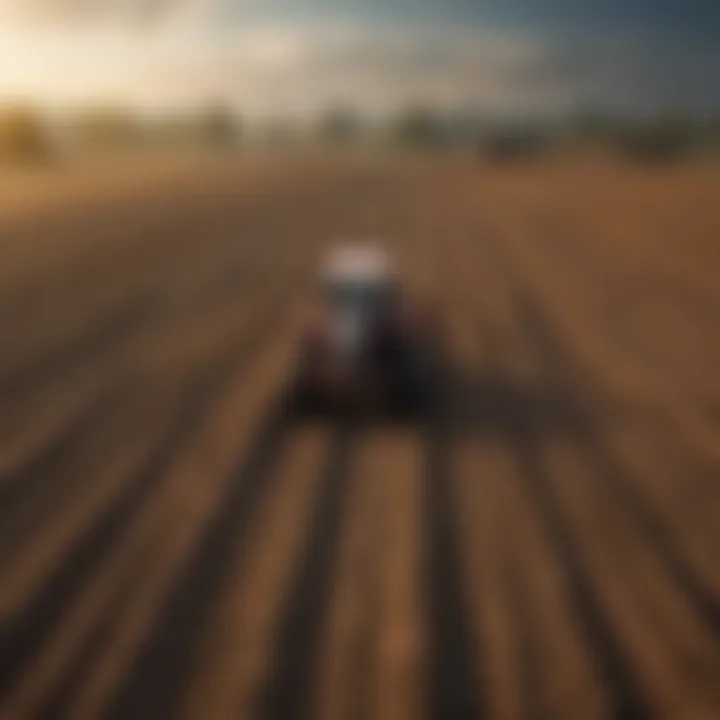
547 545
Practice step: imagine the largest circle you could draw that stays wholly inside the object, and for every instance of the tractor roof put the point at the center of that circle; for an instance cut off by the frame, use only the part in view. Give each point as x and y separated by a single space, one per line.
357 262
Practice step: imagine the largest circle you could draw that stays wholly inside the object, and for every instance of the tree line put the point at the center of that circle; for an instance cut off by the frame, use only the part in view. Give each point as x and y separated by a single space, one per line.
28 134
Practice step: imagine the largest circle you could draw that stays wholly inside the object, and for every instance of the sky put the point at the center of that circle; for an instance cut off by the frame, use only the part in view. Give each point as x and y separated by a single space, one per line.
293 57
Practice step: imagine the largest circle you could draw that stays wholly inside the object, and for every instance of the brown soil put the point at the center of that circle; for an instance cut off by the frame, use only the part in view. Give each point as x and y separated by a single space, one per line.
546 545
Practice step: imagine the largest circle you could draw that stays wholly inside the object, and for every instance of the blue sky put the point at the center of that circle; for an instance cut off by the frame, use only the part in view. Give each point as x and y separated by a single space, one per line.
270 56
701 16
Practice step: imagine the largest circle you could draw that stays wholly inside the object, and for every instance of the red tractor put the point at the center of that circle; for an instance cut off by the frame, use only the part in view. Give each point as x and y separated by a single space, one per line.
365 347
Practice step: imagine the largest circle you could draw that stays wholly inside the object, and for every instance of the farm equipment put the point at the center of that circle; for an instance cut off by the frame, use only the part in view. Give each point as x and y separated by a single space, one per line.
364 347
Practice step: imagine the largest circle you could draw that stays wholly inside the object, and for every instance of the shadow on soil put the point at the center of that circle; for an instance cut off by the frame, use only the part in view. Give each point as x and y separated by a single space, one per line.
483 405
490 405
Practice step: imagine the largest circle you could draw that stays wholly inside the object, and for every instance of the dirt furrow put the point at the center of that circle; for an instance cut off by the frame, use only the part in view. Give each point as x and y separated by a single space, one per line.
343 686
235 651
161 513
286 692
24 633
400 659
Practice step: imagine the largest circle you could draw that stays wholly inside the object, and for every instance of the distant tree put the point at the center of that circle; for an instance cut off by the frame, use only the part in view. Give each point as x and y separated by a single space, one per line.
278 131
24 136
660 140
219 125
419 126
340 125
170 129
108 126
713 132
519 141
592 125
466 128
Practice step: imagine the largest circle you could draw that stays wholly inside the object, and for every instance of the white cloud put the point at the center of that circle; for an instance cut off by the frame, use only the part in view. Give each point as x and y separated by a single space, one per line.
296 70
275 68
99 12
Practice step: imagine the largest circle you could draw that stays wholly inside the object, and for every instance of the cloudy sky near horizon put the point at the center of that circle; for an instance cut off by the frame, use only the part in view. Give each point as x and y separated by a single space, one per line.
287 56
